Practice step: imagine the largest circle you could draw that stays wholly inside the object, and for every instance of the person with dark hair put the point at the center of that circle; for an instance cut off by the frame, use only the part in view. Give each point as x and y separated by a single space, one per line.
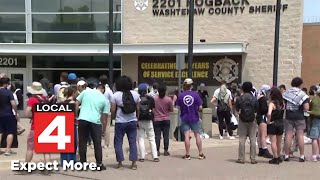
190 105
163 107
305 90
109 95
275 124
92 120
145 125
72 80
297 102
8 114
125 106
247 106
282 88
63 82
314 132
204 95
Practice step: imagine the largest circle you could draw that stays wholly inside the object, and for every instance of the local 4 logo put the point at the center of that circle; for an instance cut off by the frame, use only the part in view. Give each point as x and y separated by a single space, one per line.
54 128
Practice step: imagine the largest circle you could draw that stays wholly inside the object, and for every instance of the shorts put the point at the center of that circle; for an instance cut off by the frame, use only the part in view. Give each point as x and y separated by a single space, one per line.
262 120
275 129
8 125
314 132
195 127
30 141
290 125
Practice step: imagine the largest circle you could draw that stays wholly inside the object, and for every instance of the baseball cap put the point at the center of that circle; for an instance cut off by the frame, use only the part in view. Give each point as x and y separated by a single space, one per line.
143 87
81 83
188 81
202 85
72 76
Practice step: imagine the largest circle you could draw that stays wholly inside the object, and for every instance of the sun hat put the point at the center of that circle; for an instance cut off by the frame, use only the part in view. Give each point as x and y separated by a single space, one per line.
81 83
143 87
188 81
2 75
264 89
72 76
35 88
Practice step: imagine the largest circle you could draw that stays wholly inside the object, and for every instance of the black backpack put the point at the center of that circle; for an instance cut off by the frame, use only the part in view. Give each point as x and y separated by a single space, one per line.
145 110
222 106
247 109
129 105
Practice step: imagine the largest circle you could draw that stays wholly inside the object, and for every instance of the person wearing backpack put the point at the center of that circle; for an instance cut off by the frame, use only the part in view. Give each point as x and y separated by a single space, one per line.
262 121
224 108
59 88
37 97
125 107
247 106
145 124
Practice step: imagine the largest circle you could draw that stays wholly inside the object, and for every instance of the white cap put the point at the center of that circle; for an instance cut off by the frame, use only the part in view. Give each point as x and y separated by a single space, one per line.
81 83
188 81
202 85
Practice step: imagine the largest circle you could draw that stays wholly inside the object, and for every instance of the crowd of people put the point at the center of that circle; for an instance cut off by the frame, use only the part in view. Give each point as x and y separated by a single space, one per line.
143 111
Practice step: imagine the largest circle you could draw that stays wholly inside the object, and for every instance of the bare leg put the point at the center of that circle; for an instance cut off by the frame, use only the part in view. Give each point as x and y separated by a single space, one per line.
288 142
29 155
314 147
279 142
263 134
300 137
199 142
274 144
9 142
187 142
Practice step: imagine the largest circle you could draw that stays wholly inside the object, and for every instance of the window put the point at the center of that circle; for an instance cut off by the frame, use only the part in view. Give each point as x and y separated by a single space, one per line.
74 38
74 5
74 62
12 22
74 22
12 37
12 6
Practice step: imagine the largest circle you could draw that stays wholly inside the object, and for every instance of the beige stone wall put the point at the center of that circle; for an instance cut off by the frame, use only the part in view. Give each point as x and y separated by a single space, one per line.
256 29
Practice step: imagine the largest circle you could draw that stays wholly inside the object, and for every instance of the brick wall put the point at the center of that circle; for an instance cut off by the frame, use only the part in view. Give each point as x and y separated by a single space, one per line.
311 54
256 29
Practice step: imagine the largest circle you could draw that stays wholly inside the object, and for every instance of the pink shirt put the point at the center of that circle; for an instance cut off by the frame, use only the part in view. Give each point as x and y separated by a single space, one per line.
163 107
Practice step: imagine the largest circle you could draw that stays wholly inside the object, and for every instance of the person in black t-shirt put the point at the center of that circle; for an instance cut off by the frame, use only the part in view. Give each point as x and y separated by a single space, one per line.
204 95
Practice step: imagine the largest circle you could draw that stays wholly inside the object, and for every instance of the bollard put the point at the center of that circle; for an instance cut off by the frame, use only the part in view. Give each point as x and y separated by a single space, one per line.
207 121
173 122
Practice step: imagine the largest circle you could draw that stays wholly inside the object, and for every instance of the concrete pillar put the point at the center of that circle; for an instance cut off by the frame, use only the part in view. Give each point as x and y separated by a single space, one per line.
173 121
207 121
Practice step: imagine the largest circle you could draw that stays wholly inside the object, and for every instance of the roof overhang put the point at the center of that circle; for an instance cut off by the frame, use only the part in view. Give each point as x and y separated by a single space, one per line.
120 49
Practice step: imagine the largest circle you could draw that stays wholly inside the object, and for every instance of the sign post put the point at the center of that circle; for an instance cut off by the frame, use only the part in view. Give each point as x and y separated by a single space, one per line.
180 64
276 44
190 43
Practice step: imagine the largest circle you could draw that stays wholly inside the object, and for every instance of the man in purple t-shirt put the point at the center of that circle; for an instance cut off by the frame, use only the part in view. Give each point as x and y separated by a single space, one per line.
190 104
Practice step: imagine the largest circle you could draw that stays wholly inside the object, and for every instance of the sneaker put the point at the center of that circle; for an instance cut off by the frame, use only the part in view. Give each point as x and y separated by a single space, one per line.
268 141
202 156
267 154
232 138
220 137
156 160
274 161
280 159
301 159
240 161
134 166
119 166
261 152
166 153
254 162
9 153
287 159
187 157
141 160
102 167
318 158
314 159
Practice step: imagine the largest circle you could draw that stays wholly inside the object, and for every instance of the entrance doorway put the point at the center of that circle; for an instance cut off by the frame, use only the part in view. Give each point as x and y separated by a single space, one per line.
19 82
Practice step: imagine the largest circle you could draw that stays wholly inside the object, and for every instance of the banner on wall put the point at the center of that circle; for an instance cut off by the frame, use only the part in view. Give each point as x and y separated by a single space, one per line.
210 70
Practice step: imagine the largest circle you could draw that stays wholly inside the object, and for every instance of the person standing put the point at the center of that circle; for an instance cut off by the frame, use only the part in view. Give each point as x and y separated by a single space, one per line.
8 114
163 107
36 97
282 88
190 105
204 95
247 106
262 121
125 104
63 82
314 133
224 107
145 125
275 124
92 119
154 91
297 102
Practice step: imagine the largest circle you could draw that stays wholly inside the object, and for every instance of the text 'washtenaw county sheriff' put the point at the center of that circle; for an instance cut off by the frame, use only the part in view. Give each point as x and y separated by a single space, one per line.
54 107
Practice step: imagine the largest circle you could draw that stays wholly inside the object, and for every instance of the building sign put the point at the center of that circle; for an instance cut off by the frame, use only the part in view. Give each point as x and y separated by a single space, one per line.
141 5
13 61
166 8
210 70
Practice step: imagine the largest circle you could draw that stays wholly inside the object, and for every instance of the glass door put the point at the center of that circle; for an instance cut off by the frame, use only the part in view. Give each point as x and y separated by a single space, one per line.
18 83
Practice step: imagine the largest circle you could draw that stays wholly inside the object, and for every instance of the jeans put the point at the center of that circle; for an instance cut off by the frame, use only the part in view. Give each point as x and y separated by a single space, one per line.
130 129
95 131
146 127
246 129
164 128
224 116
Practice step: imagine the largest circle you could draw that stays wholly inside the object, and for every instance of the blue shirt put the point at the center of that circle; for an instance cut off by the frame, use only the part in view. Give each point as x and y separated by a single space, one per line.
5 105
93 104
